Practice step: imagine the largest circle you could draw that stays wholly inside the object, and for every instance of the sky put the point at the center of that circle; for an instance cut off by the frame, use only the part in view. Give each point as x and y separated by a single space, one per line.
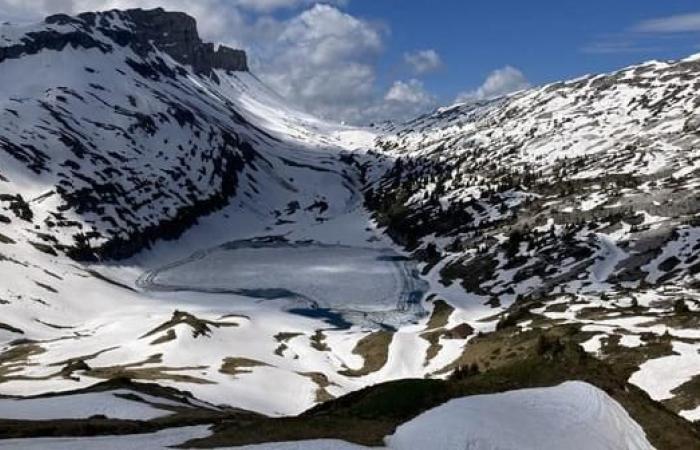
362 61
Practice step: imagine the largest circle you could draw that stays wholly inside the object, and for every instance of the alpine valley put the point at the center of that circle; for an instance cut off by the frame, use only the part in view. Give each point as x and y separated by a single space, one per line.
186 260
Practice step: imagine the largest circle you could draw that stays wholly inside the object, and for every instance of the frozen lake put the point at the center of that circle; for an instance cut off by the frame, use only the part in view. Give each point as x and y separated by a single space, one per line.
360 284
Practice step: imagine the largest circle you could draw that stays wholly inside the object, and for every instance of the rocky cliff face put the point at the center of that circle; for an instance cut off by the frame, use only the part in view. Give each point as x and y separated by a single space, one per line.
173 33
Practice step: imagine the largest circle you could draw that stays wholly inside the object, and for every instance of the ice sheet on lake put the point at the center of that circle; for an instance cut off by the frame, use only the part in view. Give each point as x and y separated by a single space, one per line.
357 282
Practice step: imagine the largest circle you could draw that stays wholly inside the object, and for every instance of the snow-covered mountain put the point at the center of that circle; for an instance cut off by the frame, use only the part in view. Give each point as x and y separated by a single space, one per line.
180 247
572 203
600 160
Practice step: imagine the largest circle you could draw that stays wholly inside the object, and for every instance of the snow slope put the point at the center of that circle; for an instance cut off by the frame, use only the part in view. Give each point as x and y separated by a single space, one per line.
573 415
81 406
573 203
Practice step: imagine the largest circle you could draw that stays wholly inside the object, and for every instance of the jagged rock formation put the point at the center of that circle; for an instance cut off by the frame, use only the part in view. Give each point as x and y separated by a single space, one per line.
174 33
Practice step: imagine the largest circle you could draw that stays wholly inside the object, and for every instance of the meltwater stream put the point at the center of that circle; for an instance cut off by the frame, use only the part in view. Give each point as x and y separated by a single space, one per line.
343 285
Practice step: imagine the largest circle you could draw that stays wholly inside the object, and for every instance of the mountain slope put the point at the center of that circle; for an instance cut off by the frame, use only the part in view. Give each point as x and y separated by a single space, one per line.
138 131
571 203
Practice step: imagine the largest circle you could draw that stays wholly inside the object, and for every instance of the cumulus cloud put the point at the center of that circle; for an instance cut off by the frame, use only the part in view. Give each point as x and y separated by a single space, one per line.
324 60
499 82
272 5
33 9
411 92
403 100
423 61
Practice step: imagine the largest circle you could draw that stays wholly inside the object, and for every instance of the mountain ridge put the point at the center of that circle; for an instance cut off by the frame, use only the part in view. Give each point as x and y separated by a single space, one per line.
174 33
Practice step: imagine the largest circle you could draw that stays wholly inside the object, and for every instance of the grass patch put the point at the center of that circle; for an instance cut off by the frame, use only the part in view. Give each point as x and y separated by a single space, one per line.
134 371
433 337
170 335
374 350
318 342
686 396
440 315
283 338
322 381
16 358
236 365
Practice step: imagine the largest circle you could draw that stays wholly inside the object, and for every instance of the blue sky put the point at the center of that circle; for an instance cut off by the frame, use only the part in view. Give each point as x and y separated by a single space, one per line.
367 60
546 40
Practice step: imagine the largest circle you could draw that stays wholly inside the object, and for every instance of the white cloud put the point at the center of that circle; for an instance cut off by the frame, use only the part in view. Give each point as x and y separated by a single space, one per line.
671 24
411 92
272 5
423 61
402 101
207 9
646 36
499 82
612 46
324 60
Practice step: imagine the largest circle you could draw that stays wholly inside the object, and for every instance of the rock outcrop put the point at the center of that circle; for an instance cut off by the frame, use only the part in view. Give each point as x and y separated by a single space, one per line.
174 33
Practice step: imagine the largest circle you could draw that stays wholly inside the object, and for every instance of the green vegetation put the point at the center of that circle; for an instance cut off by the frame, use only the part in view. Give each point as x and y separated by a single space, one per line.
374 349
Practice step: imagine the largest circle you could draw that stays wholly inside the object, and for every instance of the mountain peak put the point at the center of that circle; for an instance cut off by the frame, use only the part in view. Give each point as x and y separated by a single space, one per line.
171 32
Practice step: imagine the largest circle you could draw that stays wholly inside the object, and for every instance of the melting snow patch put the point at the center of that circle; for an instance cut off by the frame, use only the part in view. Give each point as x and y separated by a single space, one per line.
658 377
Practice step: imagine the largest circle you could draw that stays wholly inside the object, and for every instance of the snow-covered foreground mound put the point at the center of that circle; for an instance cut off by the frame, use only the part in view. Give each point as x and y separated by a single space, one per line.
573 415
120 404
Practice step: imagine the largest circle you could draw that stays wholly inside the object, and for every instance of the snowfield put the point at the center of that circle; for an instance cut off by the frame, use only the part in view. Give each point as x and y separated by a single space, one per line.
161 440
